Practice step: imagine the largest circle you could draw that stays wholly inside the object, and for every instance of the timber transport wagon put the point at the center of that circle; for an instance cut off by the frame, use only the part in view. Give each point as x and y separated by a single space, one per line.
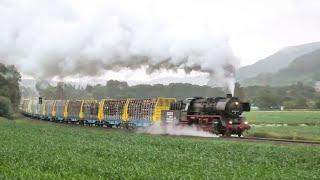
48 108
144 112
89 112
112 112
58 112
72 112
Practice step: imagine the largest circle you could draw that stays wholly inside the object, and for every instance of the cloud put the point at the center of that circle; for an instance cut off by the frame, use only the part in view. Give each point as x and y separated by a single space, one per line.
55 38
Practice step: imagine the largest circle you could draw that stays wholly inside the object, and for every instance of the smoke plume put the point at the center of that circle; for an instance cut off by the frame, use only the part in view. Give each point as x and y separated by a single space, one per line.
48 39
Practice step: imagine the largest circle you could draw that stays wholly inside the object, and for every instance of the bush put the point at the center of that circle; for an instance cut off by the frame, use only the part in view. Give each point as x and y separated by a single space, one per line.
5 107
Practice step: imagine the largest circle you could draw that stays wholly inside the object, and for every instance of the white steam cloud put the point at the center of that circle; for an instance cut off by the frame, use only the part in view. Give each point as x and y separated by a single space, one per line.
176 130
48 39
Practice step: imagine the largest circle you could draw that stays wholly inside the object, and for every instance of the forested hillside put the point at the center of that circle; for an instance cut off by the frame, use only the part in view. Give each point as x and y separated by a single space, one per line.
276 61
305 68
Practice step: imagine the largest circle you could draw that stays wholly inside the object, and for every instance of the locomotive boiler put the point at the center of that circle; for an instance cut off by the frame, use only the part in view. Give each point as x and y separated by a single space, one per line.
219 115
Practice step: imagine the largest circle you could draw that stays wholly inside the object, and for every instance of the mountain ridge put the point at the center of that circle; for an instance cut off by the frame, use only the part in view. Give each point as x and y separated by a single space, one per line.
305 68
273 63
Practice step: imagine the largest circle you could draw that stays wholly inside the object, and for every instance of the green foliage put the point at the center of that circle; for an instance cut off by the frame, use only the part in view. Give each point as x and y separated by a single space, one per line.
299 103
267 99
290 104
5 107
57 151
293 96
9 84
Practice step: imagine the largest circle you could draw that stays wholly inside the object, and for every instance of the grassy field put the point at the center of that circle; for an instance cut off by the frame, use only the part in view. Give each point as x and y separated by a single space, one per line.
40 150
293 120
284 117
287 132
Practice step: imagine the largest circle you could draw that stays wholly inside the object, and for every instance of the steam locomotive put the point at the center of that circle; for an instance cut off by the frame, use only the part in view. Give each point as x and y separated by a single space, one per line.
220 115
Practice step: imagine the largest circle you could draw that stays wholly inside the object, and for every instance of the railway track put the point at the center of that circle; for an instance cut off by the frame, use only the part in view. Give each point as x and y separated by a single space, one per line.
273 140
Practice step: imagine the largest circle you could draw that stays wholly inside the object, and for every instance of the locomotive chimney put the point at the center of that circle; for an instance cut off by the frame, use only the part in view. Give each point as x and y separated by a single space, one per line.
229 95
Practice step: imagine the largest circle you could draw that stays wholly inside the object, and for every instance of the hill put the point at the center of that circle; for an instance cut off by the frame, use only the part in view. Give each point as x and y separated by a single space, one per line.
277 61
304 68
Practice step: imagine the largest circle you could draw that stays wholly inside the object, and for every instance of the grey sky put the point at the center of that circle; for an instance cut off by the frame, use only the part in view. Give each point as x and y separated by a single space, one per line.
254 29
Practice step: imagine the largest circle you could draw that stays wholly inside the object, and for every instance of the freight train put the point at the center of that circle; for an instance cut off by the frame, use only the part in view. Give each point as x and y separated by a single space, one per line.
220 115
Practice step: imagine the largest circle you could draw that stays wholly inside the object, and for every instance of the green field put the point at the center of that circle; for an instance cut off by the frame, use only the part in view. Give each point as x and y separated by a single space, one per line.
301 125
287 132
41 150
284 117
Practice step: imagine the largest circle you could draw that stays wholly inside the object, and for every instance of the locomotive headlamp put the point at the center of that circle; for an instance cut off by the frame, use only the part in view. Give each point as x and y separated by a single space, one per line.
246 122
230 122
237 103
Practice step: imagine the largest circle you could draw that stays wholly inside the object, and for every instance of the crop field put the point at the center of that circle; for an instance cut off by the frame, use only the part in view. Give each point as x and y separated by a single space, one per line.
33 150
287 132
284 117
301 125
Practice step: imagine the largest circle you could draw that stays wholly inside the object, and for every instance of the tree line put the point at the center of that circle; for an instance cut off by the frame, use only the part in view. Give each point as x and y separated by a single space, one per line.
296 96
9 90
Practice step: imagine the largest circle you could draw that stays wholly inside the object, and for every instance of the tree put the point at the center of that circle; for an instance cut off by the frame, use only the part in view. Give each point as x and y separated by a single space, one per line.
301 103
267 99
9 84
5 107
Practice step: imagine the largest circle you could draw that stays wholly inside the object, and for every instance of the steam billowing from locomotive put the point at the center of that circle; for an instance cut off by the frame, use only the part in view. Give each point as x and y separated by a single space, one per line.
51 38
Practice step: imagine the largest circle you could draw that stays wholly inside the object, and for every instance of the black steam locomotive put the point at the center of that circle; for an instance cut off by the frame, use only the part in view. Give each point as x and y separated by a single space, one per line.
219 115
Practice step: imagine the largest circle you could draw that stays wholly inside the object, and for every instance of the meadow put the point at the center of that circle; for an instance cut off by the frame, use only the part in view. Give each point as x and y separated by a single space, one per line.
41 150
284 117
287 132
300 125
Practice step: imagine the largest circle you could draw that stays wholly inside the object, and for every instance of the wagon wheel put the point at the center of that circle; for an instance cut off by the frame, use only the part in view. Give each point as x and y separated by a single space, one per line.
126 126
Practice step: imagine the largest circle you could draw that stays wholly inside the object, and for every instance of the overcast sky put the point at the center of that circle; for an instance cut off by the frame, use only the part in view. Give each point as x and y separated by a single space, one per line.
256 28
253 29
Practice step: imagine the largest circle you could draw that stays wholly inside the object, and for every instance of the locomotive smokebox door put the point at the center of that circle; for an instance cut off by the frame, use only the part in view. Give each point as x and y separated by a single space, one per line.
170 116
